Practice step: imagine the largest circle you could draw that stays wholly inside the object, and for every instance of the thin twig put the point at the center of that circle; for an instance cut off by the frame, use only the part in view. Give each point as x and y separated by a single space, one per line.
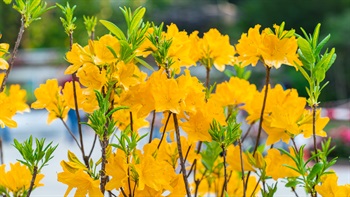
248 131
71 133
123 192
93 146
242 167
224 187
14 53
183 170
295 145
267 82
152 127
1 152
166 124
295 192
129 180
314 108
35 172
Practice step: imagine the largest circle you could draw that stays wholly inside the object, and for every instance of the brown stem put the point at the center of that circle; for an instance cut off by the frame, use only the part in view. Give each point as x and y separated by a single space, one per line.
131 122
1 152
14 53
152 127
35 172
70 132
248 131
295 145
166 124
267 82
93 146
224 187
182 163
103 175
256 186
295 192
198 181
207 78
242 167
129 180
123 192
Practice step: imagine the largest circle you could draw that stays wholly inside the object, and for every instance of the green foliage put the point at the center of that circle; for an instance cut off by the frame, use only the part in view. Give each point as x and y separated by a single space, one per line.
68 23
90 24
38 157
31 10
310 175
101 120
225 135
315 64
128 140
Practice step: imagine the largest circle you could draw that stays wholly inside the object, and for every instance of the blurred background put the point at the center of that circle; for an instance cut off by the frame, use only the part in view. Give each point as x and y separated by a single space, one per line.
44 44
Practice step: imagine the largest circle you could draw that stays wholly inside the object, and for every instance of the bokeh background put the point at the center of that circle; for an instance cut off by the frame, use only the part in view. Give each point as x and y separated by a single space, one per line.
45 43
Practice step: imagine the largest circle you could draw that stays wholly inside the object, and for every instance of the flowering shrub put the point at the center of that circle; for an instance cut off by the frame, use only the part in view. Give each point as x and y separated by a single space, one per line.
208 156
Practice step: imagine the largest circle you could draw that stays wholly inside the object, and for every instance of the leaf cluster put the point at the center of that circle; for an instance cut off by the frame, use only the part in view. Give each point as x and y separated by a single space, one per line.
35 157
315 64
31 10
68 22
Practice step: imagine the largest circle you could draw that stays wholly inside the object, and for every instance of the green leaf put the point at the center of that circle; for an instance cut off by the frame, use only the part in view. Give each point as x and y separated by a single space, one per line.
320 74
321 44
315 170
144 63
137 18
306 49
114 29
315 36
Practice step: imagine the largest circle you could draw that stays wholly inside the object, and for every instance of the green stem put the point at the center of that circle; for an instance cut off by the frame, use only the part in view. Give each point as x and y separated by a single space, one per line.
179 148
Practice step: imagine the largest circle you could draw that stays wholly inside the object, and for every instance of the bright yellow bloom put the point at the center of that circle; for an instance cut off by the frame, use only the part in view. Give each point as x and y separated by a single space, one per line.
275 164
86 98
215 49
330 187
270 48
233 159
249 47
166 93
2 75
128 75
153 173
11 103
96 53
80 180
197 126
234 92
91 76
3 50
117 168
306 125
17 179
49 96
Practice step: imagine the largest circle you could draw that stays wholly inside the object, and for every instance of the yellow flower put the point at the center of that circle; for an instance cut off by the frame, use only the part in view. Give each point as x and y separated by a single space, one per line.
85 97
249 47
17 179
76 56
116 167
330 187
197 126
215 49
91 76
234 159
275 164
11 103
306 125
234 92
166 93
3 50
2 75
153 173
270 48
49 96
80 180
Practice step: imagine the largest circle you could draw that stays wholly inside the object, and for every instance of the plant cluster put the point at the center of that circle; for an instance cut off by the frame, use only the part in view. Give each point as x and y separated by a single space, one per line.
204 153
